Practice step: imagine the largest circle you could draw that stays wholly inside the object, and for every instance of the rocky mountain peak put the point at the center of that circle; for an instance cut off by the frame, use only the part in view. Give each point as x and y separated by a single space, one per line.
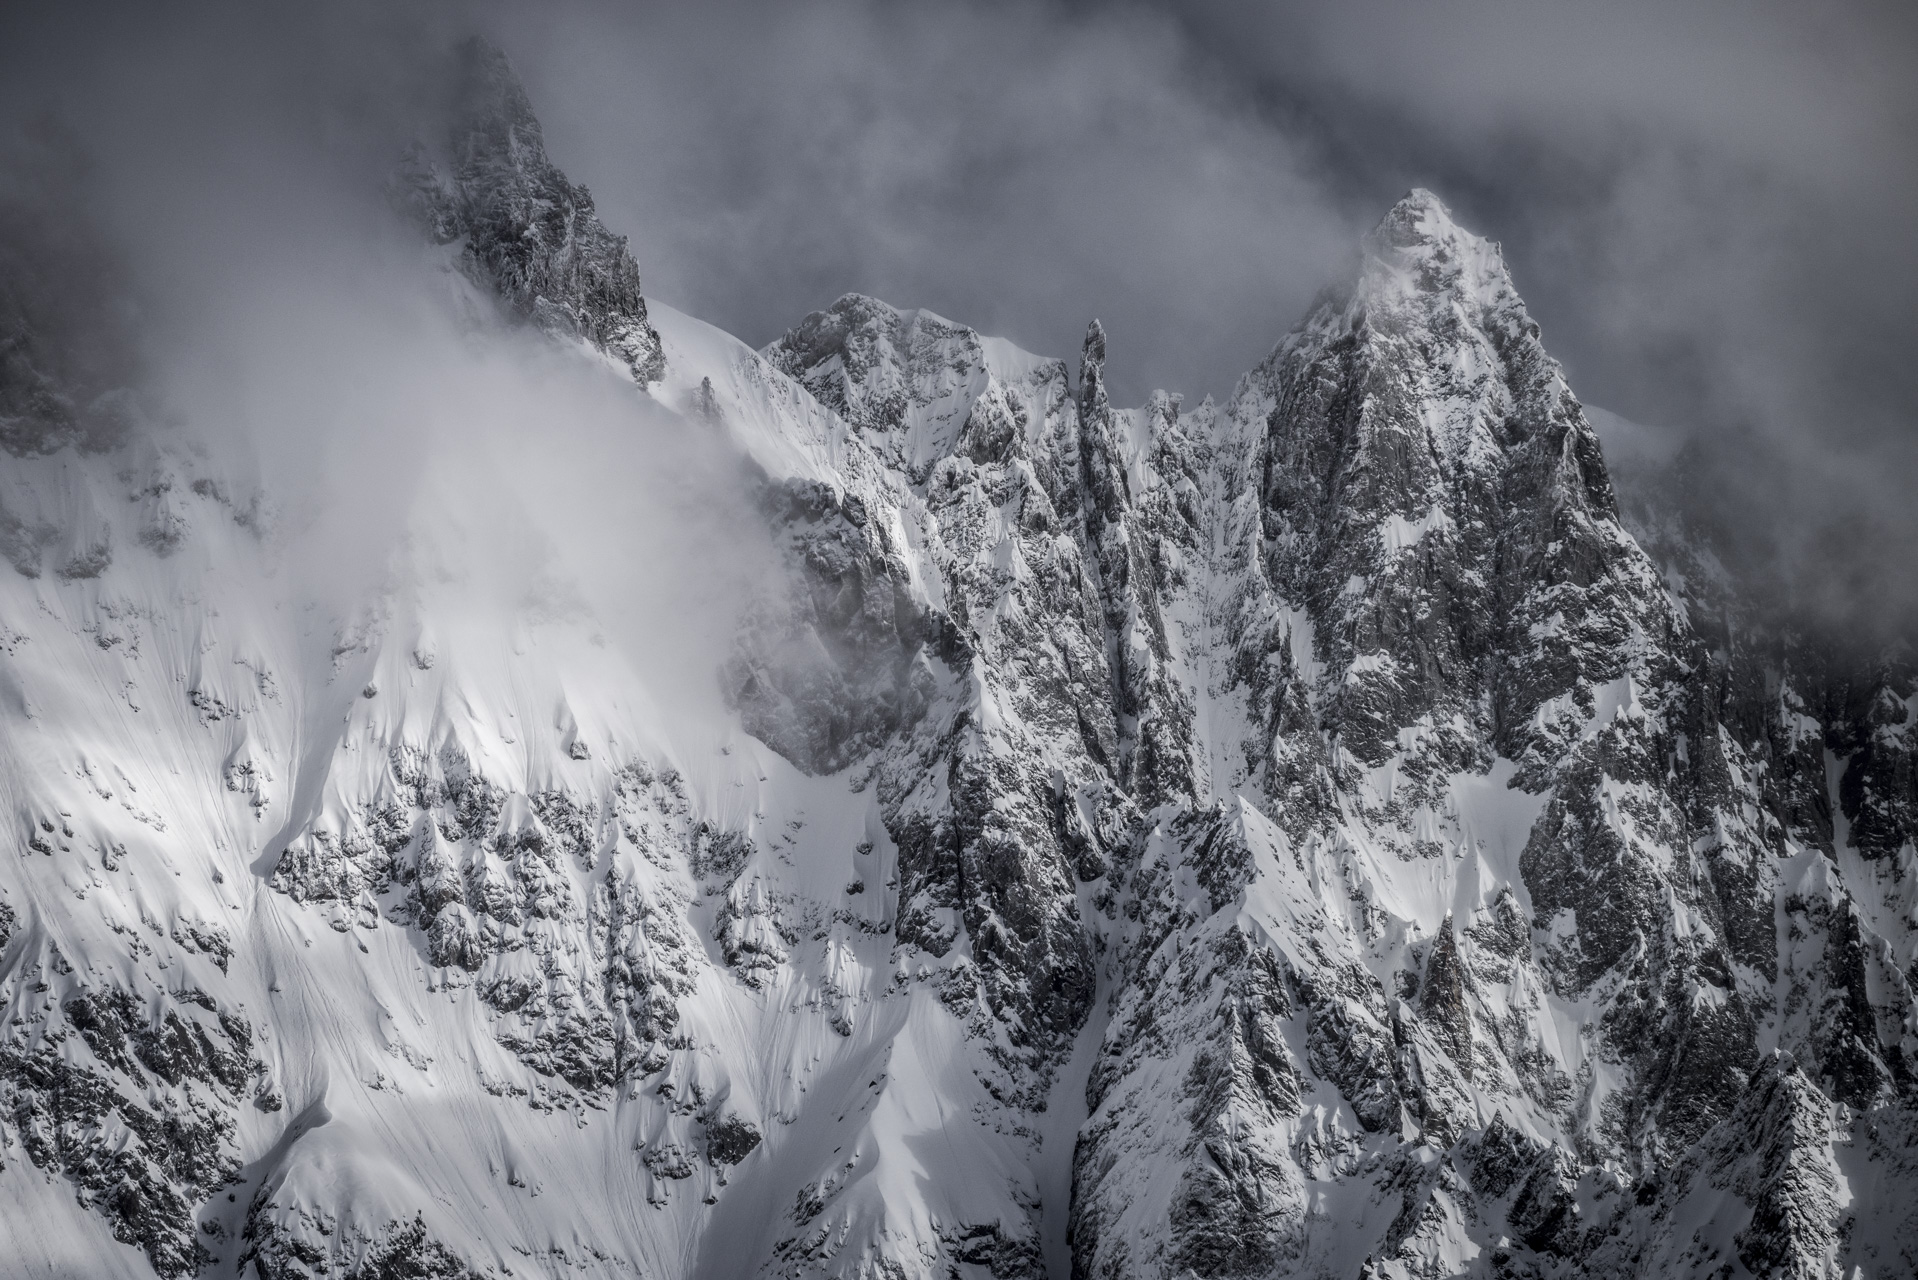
1446 294
1092 361
1299 836
1431 485
1418 246
1093 353
490 104
916 386
1419 217
526 233
863 357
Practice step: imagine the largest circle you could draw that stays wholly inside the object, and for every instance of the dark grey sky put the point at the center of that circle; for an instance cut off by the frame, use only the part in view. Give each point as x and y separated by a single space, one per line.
1192 174
1709 206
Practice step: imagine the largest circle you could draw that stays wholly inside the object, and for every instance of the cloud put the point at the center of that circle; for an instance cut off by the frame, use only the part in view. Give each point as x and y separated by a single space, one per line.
300 335
1012 166
1705 204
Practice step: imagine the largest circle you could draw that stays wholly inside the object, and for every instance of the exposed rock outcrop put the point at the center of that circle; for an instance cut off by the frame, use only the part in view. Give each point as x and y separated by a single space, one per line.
525 232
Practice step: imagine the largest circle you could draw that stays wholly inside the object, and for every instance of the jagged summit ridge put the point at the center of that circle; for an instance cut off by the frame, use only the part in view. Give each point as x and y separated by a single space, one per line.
1298 835
911 380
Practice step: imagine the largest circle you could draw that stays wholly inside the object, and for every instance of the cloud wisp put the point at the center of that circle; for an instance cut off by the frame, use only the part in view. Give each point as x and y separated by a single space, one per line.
292 326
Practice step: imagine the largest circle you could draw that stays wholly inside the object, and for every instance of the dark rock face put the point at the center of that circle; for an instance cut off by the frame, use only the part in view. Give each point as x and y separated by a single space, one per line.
487 877
403 1251
1879 790
1436 499
730 1139
526 232
832 669
1442 998
140 1125
1153 714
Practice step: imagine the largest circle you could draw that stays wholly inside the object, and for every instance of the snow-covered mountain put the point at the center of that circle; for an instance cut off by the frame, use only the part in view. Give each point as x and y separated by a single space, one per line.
1309 834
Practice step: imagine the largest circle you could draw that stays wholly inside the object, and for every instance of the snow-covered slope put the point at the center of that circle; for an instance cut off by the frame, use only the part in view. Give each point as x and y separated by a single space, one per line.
1305 834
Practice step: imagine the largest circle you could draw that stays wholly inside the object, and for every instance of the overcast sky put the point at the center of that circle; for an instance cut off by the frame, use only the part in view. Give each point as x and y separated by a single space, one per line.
1192 174
1712 209
1708 206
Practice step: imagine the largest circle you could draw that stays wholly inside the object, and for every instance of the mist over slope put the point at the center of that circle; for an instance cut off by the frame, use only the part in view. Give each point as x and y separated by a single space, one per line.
504 778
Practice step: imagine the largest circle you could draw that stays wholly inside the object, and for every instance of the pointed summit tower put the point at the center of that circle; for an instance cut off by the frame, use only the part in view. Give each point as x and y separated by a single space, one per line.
1092 363
1417 249
1433 488
527 233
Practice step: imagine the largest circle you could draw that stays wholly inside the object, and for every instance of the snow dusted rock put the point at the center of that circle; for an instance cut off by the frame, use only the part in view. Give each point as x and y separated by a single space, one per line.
1304 834
117 1114
982 799
1415 447
1435 499
523 230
